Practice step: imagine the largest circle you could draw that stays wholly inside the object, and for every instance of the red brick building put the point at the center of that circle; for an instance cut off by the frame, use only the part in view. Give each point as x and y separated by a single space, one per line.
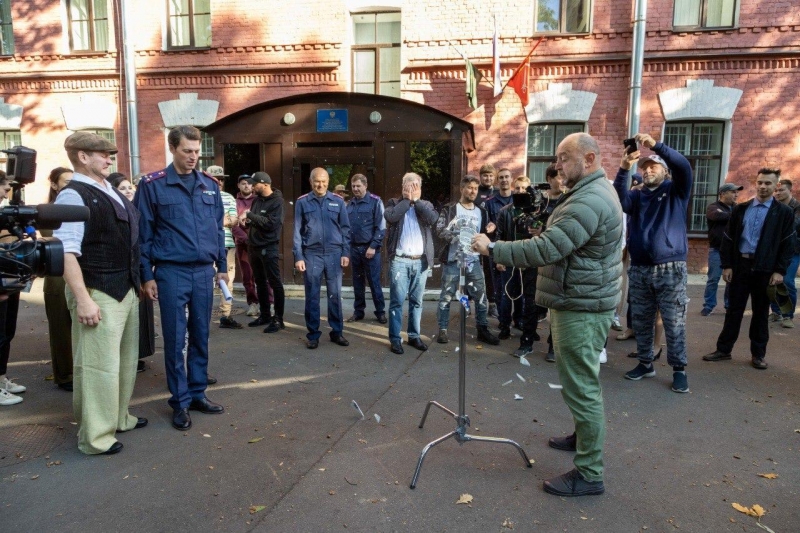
720 84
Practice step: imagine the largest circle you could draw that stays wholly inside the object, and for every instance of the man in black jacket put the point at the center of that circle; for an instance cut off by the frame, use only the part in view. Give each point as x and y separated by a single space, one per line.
265 222
756 250
717 214
468 212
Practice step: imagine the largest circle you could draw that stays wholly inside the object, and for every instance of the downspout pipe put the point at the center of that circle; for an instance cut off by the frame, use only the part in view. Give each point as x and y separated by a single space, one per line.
130 90
637 66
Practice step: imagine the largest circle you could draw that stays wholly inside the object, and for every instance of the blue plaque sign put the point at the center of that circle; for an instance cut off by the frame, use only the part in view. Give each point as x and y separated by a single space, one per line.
331 120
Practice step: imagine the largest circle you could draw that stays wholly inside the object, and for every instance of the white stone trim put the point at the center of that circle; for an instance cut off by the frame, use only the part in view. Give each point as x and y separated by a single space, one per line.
356 6
10 116
699 100
90 111
559 103
187 110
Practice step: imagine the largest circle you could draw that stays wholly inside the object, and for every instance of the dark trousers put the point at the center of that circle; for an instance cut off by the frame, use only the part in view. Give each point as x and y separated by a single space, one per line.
510 297
746 283
530 318
243 256
488 268
329 267
267 274
147 328
59 326
371 270
8 328
181 287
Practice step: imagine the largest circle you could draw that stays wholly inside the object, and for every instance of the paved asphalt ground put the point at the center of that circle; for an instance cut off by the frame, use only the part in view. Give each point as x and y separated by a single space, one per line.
291 454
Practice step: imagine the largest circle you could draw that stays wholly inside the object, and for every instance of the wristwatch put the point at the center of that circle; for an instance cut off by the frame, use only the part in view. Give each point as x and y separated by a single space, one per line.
491 249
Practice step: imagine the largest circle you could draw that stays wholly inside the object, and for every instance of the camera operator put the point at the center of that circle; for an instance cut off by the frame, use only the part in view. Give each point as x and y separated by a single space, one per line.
579 255
9 308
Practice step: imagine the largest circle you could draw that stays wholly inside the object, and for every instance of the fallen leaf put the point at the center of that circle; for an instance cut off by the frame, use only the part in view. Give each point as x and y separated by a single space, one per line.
465 498
253 381
49 378
35 477
362 441
256 508
332 492
479 347
508 524
253 441
758 510
771 475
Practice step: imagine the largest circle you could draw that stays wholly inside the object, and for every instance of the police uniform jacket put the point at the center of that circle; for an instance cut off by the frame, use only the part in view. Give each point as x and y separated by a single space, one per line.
321 226
179 226
367 225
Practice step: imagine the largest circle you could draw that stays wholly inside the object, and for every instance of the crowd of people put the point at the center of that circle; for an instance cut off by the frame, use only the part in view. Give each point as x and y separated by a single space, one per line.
579 249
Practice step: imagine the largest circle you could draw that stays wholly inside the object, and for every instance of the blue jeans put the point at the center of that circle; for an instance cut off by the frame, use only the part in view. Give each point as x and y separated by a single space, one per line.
788 280
407 278
712 285
474 286
662 288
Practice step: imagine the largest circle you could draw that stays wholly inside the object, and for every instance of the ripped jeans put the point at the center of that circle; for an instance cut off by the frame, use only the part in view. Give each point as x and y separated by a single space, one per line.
663 288
474 286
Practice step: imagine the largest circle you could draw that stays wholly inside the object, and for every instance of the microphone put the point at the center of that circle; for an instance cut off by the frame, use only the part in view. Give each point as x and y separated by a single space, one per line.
49 214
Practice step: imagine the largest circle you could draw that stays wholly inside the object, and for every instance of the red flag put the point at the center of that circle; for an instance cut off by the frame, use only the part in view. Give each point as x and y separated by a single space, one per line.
519 81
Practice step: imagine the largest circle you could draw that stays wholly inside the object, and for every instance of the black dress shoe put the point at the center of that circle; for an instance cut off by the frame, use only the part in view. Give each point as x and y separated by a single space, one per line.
312 345
573 484
210 380
355 318
140 423
204 405
140 367
397 348
275 325
115 448
260 321
717 356
227 322
382 319
568 443
65 386
417 343
339 339
759 363
181 419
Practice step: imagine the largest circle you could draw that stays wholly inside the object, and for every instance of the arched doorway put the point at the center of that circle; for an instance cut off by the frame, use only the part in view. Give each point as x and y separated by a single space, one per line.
346 133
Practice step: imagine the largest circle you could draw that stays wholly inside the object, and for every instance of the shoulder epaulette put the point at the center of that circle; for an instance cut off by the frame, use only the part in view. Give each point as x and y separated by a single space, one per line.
301 197
154 176
373 195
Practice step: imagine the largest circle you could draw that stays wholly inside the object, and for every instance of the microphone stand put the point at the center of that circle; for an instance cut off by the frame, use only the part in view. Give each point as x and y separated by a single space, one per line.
462 419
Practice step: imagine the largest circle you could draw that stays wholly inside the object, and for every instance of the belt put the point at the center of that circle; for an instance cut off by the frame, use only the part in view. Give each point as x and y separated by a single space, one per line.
412 257
748 256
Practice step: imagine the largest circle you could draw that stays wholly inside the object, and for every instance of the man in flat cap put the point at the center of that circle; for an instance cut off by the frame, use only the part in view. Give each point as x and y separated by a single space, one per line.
341 191
717 213
657 247
101 269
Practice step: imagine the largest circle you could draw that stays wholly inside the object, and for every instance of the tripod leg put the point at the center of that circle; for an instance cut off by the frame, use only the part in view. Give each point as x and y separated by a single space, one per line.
496 440
440 406
425 451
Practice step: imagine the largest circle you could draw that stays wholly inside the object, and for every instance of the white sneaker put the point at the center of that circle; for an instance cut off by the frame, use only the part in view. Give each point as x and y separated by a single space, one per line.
6 398
603 357
253 310
8 385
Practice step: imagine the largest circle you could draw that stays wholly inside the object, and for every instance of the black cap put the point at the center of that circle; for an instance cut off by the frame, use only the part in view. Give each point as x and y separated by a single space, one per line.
260 177
243 177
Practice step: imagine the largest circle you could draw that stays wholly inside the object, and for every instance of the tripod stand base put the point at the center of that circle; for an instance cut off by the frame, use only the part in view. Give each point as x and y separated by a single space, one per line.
461 437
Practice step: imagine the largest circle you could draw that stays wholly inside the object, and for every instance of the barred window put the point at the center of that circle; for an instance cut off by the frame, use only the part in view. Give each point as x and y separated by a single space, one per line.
543 140
88 25
376 53
189 23
701 143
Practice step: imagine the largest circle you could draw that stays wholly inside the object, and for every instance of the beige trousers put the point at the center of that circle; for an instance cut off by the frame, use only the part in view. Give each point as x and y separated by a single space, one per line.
225 306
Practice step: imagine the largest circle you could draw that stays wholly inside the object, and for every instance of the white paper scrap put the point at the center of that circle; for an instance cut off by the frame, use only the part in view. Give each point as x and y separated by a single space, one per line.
521 378
357 408
518 397
554 386
509 382
377 417
524 361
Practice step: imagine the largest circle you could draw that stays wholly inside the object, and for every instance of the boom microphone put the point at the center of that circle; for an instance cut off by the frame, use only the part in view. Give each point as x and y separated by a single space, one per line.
55 214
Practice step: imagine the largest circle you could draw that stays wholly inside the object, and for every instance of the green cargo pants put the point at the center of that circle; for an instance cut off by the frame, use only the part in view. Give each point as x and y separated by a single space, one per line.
578 339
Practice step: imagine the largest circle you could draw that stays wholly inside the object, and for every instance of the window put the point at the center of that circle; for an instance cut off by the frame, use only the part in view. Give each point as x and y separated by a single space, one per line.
189 23
701 143
376 53
88 25
9 139
563 16
206 150
110 137
6 31
704 13
543 140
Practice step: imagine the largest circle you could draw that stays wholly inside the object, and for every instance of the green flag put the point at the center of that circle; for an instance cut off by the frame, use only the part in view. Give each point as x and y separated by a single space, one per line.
473 79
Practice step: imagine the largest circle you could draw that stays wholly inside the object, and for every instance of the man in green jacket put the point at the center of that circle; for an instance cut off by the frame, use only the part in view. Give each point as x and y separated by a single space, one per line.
579 257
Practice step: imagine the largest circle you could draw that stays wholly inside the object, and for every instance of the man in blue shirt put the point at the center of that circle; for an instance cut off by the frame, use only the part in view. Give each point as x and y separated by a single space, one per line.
367 228
756 251
182 239
657 248
321 247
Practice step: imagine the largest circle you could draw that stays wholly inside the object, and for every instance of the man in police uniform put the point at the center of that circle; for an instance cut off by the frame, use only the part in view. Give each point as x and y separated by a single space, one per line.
321 247
182 238
365 212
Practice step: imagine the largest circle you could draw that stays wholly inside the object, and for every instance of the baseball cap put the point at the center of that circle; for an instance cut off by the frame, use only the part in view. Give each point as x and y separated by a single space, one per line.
260 177
243 177
89 142
730 187
656 159
779 295
216 171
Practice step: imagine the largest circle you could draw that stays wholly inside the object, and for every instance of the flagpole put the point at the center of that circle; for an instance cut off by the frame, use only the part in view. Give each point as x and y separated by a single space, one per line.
527 58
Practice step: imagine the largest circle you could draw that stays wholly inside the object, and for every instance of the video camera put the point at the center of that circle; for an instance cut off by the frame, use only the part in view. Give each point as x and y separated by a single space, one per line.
529 206
26 256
